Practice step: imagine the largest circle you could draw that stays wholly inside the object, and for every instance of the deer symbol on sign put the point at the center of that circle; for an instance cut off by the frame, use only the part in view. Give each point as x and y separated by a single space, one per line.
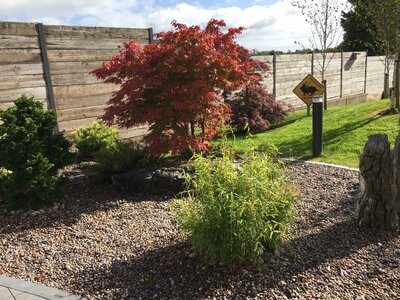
308 90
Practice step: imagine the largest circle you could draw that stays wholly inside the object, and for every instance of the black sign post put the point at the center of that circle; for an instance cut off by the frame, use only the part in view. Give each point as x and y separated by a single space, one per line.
317 125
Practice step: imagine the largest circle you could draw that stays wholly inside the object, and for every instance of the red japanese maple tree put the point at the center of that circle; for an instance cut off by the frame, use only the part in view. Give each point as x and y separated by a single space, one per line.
176 82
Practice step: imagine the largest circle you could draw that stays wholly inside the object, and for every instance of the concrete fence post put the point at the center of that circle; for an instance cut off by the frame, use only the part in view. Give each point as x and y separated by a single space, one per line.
46 69
151 38
341 74
274 73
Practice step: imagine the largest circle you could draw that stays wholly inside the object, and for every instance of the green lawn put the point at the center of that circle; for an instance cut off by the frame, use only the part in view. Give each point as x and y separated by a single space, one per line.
346 130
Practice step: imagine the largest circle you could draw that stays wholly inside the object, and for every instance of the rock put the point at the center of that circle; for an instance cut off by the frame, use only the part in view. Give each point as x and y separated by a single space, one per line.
193 255
276 252
254 291
168 180
153 181
172 282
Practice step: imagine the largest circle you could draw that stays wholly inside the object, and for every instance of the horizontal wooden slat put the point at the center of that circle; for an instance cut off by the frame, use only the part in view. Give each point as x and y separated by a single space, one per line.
292 65
80 113
58 68
95 32
15 28
80 55
21 69
12 56
21 81
66 43
74 79
289 71
13 94
82 101
74 91
18 42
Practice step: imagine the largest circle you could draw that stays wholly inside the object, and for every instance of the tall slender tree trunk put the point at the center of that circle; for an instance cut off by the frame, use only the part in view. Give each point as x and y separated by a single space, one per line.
325 39
396 80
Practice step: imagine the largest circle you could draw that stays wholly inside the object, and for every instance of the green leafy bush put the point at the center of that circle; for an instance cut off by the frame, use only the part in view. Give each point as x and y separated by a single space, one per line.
124 157
235 211
30 154
95 137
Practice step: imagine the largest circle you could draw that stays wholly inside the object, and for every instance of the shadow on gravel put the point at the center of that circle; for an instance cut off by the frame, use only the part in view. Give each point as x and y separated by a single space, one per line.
162 273
169 272
335 242
87 197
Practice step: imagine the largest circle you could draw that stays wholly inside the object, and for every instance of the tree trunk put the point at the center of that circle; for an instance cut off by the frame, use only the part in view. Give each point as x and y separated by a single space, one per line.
378 199
396 80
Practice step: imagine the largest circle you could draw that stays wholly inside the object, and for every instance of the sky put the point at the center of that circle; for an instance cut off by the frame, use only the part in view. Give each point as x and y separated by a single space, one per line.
270 24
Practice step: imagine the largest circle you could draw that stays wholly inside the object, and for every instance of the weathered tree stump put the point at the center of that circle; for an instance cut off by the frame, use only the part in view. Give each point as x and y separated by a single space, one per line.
378 200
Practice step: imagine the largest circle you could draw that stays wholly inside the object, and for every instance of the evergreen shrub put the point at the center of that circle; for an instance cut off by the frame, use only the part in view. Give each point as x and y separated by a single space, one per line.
30 155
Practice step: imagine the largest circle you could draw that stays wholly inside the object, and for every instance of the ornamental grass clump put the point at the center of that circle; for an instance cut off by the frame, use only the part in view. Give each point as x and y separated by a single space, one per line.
234 211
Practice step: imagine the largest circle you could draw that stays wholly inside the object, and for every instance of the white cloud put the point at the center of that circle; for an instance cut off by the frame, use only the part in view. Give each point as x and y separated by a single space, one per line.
268 27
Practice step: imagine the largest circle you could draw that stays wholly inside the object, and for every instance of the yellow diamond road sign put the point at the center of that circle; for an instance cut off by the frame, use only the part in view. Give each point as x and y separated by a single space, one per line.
308 88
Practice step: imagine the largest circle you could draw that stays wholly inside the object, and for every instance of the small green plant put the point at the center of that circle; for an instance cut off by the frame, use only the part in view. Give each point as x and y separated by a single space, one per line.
30 155
95 137
125 156
236 210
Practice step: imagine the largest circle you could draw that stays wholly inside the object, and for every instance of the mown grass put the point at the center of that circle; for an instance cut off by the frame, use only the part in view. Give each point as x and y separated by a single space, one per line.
346 130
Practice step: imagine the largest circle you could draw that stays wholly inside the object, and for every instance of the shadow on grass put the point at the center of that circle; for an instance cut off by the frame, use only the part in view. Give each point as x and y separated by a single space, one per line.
86 198
288 122
301 147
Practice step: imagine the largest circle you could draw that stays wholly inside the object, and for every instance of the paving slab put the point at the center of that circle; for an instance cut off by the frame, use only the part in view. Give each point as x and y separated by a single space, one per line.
5 294
19 289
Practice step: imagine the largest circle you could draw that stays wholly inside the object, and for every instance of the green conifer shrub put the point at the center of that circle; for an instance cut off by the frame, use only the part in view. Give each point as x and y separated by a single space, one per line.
30 155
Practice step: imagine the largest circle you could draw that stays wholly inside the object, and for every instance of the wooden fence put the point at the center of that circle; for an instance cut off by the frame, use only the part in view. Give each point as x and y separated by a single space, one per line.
348 74
53 63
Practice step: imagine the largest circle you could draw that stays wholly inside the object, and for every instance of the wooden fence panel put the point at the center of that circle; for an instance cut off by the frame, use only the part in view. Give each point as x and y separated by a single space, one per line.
21 70
75 51
351 81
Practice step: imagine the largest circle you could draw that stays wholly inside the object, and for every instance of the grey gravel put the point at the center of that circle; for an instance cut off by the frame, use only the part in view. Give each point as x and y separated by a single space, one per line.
104 244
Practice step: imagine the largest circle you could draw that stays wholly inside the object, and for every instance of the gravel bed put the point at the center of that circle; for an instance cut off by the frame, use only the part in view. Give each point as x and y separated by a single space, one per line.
106 245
